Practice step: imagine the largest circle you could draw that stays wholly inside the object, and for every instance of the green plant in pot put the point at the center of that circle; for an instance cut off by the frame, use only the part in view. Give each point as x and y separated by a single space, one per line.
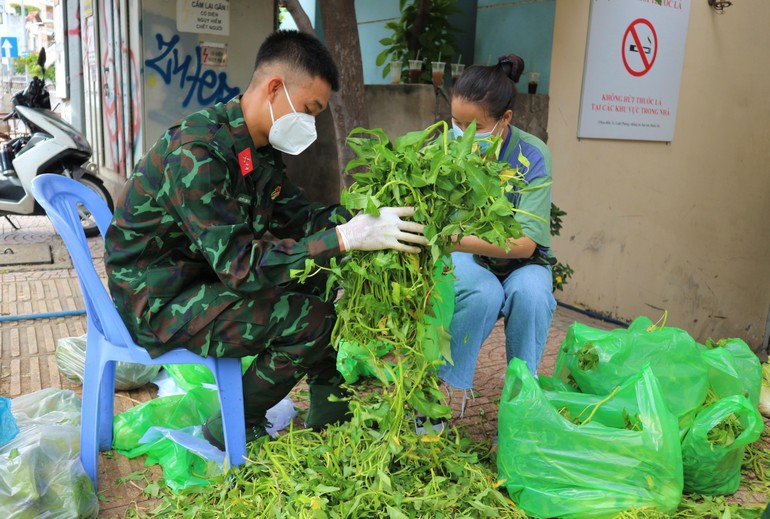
423 32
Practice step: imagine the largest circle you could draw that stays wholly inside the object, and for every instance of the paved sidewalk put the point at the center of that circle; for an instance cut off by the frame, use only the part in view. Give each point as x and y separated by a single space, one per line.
28 363
27 347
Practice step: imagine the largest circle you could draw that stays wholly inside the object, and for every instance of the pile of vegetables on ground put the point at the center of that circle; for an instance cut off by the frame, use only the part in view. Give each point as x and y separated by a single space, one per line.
618 415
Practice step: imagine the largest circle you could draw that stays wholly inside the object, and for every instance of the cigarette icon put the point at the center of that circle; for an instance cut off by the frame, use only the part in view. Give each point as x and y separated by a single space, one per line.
647 50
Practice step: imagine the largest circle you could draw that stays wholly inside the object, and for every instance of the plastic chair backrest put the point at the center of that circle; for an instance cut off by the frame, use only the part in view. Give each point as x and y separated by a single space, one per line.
60 197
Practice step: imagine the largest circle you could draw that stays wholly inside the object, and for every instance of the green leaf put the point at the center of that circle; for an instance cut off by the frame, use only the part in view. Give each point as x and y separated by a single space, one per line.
480 184
395 513
501 207
353 201
152 490
383 481
322 489
445 343
466 142
137 475
431 409
364 177
356 163
372 206
387 155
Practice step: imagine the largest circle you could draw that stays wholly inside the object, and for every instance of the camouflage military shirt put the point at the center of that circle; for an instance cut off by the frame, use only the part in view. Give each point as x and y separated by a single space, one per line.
187 238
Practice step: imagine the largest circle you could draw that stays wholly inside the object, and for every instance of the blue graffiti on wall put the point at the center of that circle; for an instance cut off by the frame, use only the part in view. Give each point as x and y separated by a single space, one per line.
208 86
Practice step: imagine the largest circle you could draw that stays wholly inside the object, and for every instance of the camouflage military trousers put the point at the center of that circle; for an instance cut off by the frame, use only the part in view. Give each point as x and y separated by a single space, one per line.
294 342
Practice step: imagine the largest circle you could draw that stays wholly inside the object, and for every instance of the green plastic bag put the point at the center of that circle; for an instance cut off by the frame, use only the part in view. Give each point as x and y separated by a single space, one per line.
552 467
553 384
174 411
190 376
733 369
355 360
600 360
713 466
181 467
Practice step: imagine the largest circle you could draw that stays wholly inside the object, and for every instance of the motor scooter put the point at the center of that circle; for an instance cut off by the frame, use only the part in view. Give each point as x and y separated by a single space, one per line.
49 145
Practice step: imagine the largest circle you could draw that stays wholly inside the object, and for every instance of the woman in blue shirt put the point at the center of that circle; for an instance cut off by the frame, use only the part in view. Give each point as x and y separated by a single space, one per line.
491 282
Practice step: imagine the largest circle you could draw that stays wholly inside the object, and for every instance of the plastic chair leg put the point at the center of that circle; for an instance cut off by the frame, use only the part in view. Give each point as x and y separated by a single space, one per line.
228 376
89 426
106 405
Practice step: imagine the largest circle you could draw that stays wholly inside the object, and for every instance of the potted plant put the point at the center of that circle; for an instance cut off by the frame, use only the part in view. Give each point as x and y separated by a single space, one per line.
423 32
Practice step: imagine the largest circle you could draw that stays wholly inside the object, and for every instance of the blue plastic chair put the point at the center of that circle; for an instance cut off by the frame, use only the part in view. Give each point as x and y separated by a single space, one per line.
108 340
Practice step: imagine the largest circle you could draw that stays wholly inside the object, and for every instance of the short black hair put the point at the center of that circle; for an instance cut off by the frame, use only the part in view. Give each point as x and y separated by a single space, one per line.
301 50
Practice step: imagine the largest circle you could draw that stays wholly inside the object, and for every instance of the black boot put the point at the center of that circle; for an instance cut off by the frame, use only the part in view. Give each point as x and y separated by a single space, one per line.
214 432
323 411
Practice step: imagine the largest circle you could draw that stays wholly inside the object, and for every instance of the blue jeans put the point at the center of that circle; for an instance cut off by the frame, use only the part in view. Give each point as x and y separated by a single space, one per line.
524 299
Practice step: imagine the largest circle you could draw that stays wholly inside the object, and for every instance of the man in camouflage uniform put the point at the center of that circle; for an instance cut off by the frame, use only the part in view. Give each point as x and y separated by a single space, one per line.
188 258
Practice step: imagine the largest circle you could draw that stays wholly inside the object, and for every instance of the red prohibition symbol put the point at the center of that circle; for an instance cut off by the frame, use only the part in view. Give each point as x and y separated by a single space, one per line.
640 48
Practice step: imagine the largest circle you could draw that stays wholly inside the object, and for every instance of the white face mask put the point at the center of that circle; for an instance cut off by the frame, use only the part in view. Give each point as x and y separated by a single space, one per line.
293 132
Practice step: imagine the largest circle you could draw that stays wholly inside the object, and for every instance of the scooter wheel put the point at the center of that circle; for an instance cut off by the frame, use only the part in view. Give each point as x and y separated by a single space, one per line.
94 184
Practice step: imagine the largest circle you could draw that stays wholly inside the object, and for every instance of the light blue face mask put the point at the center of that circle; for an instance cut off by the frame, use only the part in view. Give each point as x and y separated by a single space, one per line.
483 146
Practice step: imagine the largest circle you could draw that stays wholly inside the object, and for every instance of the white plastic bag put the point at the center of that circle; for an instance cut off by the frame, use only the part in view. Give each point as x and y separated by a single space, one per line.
71 359
41 476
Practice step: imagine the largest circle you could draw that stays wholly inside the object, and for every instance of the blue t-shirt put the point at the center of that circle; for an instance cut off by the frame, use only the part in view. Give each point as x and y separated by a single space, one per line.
531 158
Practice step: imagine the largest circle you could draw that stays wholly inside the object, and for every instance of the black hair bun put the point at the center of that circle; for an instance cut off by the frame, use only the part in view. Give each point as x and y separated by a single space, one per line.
512 66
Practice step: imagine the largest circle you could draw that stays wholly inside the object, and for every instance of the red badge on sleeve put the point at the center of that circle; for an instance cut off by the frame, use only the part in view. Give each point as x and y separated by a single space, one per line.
244 159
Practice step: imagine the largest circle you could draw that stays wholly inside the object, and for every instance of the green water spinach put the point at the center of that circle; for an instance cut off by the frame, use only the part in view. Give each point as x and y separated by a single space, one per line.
456 191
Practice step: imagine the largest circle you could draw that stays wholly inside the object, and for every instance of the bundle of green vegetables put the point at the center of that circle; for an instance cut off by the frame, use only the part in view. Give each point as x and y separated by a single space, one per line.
376 464
385 294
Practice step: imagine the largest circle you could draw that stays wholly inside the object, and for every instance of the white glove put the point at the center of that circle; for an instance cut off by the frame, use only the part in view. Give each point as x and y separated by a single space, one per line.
386 231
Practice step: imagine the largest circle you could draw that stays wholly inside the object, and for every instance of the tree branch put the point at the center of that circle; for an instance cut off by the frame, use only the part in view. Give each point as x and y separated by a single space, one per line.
299 15
413 33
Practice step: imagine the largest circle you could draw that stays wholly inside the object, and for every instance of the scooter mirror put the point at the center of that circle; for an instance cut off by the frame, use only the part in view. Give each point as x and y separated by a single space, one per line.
41 58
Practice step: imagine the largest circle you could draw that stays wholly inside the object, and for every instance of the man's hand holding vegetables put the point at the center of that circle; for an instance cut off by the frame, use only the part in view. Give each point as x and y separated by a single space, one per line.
385 231
187 254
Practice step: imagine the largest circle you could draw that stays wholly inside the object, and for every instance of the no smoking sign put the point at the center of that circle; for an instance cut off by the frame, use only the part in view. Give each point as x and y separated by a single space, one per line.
640 47
630 86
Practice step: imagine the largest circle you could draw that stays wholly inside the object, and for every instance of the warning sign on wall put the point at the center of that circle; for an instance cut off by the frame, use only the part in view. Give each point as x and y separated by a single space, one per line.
203 16
633 69
213 54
